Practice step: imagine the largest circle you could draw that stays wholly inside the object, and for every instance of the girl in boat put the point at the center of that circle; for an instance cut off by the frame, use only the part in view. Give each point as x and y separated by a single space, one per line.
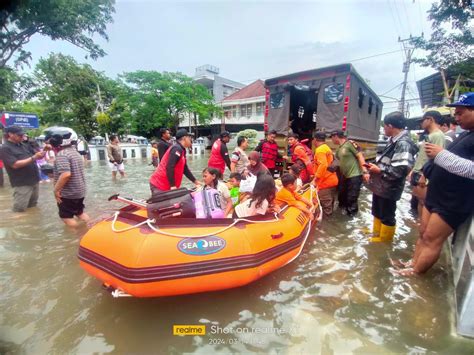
261 199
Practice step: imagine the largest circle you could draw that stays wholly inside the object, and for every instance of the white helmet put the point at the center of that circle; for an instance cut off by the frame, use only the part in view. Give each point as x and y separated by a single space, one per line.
60 136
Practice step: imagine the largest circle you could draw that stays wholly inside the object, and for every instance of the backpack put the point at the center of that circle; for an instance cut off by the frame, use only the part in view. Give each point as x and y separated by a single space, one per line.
208 204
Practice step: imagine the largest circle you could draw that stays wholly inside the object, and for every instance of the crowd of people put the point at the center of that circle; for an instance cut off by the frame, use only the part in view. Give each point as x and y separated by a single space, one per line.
439 170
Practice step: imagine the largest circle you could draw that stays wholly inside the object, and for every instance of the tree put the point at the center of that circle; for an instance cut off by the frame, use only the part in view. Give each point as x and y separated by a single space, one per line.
69 20
447 48
69 93
163 99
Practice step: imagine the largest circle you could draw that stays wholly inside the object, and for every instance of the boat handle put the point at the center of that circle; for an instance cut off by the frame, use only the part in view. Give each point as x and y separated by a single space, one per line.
277 236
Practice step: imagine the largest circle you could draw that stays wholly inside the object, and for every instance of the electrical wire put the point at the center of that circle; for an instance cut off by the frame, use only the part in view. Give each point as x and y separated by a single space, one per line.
407 17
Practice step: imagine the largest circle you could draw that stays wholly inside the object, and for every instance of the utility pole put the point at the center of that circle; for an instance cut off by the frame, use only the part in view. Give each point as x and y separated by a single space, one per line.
406 68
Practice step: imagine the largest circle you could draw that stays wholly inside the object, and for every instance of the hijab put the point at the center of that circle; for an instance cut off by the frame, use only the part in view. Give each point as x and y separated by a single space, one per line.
259 168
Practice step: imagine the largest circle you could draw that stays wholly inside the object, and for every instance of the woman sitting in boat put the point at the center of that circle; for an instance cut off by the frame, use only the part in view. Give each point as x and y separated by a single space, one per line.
213 199
255 166
260 201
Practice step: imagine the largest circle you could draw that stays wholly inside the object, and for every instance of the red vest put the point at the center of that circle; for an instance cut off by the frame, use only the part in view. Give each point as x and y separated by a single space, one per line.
269 154
216 160
159 178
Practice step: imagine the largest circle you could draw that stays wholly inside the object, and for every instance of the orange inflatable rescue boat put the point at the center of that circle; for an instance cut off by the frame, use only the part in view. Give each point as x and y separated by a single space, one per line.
134 254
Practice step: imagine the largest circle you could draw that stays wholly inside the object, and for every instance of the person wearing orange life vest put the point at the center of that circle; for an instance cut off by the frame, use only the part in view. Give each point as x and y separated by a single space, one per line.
173 165
300 157
325 180
219 158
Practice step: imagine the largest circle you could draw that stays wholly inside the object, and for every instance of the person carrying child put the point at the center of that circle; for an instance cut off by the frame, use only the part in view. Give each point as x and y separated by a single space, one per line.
289 196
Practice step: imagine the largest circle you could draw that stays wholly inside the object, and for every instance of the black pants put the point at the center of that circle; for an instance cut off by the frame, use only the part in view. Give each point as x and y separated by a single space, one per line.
1 177
349 190
384 209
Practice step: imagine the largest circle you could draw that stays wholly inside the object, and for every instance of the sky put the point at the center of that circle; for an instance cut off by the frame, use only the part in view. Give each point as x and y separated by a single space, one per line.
250 40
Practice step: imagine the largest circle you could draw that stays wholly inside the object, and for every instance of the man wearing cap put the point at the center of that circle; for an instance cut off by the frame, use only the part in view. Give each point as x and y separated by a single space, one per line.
388 174
352 171
173 166
219 158
450 197
325 180
19 159
430 123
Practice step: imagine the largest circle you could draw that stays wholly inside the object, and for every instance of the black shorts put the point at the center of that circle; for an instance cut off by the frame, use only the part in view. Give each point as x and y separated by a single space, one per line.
70 207
453 219
83 152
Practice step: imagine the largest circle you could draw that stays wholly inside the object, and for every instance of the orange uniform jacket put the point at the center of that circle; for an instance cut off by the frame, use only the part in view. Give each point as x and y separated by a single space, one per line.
289 197
323 157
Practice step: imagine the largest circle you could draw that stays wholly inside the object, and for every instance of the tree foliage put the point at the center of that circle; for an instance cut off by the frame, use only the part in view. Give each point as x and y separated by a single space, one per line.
451 44
452 40
69 20
164 99
69 93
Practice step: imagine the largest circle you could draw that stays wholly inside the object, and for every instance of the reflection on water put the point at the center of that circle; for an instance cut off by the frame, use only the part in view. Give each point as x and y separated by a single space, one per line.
337 297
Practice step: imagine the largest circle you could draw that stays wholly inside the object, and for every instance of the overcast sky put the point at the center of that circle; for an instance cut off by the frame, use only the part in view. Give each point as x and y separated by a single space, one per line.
249 40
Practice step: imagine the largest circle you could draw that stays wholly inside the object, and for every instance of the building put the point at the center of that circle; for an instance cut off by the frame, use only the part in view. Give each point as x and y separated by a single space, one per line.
219 87
244 109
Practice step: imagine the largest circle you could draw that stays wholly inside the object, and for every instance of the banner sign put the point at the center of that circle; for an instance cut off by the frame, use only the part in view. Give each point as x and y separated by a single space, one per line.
24 120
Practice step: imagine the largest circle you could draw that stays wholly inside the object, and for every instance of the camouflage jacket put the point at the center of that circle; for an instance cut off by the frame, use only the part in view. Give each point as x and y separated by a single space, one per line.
395 162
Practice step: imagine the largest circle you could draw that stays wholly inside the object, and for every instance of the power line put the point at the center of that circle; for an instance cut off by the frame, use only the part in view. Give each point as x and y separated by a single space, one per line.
395 87
397 31
421 18
398 16
406 14
351 60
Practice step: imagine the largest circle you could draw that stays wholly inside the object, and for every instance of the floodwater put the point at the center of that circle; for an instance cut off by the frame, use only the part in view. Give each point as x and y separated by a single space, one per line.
338 297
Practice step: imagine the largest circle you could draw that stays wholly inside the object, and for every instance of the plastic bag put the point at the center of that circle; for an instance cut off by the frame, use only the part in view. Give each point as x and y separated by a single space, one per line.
248 184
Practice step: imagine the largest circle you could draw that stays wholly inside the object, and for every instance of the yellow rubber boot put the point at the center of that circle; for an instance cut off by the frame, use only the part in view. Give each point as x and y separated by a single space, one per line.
387 233
376 229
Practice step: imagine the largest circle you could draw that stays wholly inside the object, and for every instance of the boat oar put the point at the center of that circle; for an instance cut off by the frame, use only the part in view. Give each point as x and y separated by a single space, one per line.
128 200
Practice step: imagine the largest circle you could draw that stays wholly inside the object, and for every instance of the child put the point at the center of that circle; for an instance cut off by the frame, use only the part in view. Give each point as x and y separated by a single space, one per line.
289 196
259 202
210 177
295 170
234 188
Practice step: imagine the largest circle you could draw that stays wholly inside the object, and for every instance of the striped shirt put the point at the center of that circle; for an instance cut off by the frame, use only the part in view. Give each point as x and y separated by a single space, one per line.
455 164
69 160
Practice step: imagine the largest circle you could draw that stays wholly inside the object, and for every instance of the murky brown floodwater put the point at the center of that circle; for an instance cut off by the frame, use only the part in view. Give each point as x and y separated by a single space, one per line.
337 297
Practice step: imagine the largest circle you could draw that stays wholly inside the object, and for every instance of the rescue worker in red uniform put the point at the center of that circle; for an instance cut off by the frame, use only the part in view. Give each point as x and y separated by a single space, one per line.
219 158
173 165
269 151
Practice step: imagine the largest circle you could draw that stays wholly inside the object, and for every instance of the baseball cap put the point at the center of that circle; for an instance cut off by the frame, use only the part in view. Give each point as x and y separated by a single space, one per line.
320 136
466 100
15 130
224 134
182 132
337 132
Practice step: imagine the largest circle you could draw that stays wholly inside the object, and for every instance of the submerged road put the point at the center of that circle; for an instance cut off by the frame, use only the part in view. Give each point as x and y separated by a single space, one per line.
337 297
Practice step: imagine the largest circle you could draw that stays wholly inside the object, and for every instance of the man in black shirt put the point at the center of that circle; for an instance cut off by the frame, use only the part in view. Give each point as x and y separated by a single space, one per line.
19 160
449 199
164 142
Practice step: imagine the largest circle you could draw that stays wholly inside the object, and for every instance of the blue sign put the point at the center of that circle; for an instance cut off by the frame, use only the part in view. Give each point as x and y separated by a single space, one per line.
201 246
25 120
